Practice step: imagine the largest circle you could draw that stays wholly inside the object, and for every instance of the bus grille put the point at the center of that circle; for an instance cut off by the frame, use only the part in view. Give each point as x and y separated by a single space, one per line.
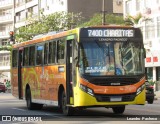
107 98
110 82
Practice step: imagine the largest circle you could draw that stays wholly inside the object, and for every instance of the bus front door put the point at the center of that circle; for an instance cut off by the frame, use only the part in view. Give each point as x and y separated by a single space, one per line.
69 70
20 95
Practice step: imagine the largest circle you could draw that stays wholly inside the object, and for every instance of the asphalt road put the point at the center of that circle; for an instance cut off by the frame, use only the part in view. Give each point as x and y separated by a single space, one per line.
16 109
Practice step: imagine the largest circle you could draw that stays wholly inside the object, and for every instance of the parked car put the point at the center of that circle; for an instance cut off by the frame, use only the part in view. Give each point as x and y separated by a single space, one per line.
2 87
149 93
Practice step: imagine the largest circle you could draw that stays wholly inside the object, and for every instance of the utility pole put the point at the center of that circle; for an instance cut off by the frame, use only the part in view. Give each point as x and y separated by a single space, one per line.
103 12
39 9
12 33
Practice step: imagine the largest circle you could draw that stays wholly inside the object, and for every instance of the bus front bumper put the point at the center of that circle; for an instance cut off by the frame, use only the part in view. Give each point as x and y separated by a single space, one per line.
82 99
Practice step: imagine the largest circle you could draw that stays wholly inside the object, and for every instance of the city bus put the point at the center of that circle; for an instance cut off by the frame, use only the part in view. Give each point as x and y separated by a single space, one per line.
99 66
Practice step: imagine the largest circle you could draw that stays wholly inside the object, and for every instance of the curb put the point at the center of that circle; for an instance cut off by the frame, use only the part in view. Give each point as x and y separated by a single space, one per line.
155 98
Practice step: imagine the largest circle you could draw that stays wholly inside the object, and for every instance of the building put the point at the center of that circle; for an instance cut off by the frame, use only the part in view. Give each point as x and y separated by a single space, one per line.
150 25
24 9
6 25
88 10
32 8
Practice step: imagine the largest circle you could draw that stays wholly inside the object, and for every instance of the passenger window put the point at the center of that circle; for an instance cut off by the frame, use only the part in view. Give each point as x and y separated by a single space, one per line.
15 59
61 49
52 53
26 56
32 56
39 55
46 53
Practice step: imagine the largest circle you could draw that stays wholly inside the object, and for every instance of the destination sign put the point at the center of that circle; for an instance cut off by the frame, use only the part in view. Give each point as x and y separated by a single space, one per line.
110 33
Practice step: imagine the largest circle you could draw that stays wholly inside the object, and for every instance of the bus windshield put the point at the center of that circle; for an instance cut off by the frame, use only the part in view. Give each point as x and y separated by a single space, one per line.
111 58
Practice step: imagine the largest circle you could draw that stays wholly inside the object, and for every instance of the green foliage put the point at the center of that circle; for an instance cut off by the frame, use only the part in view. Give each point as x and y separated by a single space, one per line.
151 82
47 23
133 20
8 84
6 48
61 20
95 20
114 19
110 19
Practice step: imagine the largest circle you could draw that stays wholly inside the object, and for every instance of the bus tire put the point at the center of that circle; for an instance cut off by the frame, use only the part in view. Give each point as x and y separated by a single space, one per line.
118 109
150 101
38 106
29 103
66 110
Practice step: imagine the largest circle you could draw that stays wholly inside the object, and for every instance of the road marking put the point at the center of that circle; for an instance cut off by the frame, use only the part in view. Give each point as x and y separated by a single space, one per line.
19 109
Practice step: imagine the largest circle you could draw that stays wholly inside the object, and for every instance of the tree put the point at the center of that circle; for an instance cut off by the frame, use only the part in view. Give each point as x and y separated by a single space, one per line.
61 21
133 20
110 19
6 47
47 23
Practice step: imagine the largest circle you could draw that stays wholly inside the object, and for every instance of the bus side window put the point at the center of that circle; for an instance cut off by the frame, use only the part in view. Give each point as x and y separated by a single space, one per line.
15 60
52 48
26 56
39 55
60 50
32 56
46 53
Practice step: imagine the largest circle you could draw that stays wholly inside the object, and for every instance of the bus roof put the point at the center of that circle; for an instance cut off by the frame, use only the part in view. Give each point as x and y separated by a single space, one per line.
54 35
48 36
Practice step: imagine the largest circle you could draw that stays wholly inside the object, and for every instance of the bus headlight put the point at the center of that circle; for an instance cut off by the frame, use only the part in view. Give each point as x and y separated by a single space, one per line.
140 89
87 90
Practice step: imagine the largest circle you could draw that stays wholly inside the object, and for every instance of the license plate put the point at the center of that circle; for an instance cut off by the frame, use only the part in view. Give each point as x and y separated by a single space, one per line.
115 99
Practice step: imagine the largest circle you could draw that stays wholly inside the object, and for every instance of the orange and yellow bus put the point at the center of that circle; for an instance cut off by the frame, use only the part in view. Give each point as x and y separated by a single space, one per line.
101 66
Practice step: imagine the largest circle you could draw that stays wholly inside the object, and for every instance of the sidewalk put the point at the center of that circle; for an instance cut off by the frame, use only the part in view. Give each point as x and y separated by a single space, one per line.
6 96
157 93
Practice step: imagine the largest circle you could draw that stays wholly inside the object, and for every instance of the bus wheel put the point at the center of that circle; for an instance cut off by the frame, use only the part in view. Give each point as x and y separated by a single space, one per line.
150 101
37 106
118 109
67 110
29 103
